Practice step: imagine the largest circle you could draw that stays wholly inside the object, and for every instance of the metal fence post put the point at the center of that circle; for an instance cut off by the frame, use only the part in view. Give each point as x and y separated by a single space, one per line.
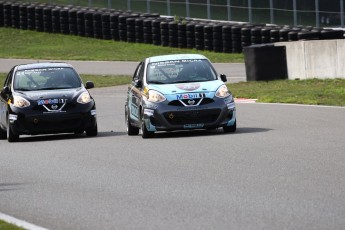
168 7
294 13
250 16
208 9
148 8
317 13
342 13
90 3
229 9
129 4
271 12
187 9
109 4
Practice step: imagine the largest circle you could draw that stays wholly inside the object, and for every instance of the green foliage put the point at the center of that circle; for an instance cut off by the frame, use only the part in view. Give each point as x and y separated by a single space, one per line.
15 43
312 92
7 226
106 80
180 20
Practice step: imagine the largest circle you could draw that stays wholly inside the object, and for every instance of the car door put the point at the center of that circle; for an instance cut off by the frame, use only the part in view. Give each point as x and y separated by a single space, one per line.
4 98
135 93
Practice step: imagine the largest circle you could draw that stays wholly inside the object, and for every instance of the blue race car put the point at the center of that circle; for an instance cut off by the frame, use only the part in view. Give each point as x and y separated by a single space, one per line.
178 92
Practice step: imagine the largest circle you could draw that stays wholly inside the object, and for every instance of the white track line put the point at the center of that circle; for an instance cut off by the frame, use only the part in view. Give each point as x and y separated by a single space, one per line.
20 223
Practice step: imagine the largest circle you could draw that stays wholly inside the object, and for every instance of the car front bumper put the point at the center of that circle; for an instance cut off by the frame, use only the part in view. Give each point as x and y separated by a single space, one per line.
164 117
33 122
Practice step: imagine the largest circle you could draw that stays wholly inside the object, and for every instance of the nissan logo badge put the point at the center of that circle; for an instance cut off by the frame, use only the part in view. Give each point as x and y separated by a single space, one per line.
54 107
191 102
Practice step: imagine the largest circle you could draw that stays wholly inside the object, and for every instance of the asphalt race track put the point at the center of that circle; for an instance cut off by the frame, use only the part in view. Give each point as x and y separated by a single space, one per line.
284 168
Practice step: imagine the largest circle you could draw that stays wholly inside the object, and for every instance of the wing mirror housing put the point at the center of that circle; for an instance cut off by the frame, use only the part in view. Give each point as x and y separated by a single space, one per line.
5 90
223 77
138 83
89 85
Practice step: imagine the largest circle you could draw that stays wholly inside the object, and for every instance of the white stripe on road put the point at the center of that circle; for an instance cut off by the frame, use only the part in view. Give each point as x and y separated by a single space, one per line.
20 223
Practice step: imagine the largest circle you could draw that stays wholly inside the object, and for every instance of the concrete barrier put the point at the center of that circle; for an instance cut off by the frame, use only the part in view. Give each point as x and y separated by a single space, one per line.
315 59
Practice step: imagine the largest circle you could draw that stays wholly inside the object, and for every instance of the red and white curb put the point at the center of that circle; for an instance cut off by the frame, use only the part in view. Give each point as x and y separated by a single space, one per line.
20 223
245 100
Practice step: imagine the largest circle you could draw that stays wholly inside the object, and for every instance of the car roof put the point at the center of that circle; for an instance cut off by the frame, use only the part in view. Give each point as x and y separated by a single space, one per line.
174 57
40 65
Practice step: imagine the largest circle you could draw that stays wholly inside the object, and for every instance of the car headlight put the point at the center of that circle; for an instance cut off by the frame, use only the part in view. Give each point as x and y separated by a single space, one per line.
222 92
84 98
20 102
155 96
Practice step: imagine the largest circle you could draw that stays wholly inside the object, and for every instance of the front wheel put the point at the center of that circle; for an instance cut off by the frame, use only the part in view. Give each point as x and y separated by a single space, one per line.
229 129
3 134
131 130
145 132
92 132
11 136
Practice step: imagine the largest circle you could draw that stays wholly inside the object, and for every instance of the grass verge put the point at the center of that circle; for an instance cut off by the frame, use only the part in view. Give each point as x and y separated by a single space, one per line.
311 92
7 226
16 43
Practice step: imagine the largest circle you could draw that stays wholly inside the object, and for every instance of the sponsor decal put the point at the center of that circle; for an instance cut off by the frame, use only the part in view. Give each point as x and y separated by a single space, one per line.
134 110
189 96
189 87
193 126
245 100
148 112
12 117
51 101
190 108
231 106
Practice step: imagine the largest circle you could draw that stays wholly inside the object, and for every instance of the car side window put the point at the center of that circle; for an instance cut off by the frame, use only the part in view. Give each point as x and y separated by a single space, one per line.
8 80
139 72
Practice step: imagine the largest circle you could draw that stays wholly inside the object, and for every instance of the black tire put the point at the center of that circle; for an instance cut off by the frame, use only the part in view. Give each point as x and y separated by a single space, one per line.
131 130
3 134
11 136
92 132
230 129
145 133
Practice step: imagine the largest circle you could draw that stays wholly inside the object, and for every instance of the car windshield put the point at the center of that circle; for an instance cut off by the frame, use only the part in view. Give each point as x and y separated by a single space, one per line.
180 71
46 79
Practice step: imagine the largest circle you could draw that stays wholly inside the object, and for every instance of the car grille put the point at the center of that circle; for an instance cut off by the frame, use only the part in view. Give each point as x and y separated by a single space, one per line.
68 106
192 117
186 102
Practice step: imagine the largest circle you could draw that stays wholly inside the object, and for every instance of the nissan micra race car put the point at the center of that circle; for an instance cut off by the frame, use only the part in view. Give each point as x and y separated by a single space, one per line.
178 92
46 98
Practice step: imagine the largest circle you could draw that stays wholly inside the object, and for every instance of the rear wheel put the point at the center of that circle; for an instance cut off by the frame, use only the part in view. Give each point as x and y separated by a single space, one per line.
145 132
229 129
92 132
131 130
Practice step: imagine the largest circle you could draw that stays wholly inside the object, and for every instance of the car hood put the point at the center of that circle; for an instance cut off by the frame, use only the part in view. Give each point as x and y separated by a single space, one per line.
192 87
51 94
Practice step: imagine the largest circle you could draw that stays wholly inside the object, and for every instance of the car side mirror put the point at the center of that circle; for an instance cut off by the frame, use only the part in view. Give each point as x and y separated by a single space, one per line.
5 92
89 85
223 78
138 83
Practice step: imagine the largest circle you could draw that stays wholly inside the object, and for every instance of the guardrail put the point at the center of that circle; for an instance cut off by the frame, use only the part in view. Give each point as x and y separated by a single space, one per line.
152 28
